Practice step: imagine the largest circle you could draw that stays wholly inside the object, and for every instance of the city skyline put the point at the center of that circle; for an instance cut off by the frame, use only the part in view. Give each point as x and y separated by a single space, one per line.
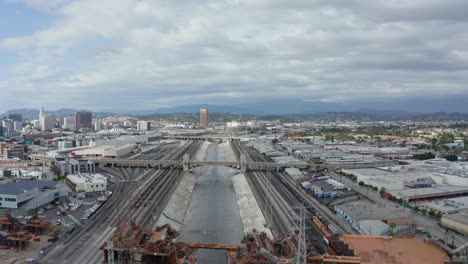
65 51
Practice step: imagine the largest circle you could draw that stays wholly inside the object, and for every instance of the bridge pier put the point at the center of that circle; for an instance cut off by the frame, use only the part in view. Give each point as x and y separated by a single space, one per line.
243 163
186 162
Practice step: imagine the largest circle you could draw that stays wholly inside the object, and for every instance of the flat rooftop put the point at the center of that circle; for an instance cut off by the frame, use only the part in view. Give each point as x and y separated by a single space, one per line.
459 203
387 250
21 186
427 192
365 210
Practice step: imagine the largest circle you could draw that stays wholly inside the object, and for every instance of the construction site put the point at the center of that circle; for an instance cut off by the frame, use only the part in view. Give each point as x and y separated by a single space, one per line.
24 239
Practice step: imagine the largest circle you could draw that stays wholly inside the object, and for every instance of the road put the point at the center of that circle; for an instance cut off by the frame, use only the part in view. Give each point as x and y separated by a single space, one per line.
429 223
213 215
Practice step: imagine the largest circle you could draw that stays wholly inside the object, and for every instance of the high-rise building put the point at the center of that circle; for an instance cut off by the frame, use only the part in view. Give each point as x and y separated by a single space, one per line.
69 122
17 126
16 117
83 121
47 122
8 124
204 117
97 126
143 126
41 113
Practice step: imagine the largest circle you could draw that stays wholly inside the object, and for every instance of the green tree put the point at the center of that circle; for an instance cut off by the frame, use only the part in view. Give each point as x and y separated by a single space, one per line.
431 213
392 227
451 157
423 211
274 141
382 190
438 215
361 183
425 156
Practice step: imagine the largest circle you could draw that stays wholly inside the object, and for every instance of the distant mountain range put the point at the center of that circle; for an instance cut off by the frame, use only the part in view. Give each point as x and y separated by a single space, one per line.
391 109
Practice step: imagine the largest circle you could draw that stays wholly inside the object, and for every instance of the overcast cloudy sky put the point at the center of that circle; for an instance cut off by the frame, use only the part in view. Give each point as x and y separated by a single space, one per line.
146 54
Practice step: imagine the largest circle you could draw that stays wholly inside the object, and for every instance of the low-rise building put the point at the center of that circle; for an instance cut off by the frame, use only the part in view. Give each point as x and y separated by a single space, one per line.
447 206
88 182
76 166
417 196
11 151
15 194
362 210
458 222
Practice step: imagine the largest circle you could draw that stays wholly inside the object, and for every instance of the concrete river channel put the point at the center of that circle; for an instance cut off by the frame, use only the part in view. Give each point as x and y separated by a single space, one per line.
213 215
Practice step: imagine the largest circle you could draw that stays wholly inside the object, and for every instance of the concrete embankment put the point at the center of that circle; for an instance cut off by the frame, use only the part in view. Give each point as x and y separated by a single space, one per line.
176 208
250 213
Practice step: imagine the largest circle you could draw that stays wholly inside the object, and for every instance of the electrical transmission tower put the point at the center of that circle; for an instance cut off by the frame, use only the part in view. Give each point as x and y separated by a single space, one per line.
301 257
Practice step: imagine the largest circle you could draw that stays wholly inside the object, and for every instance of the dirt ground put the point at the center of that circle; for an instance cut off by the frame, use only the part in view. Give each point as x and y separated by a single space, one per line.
32 250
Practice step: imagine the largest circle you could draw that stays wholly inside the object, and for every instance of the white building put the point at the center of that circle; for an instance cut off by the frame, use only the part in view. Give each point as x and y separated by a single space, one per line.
47 122
12 194
36 124
143 126
109 151
65 144
69 122
127 123
17 126
97 126
89 182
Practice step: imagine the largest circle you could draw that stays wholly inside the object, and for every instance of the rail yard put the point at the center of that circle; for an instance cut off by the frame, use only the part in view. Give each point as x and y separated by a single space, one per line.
139 195
130 227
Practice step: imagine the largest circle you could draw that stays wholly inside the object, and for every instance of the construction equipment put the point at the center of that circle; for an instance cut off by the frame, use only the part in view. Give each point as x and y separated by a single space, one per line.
54 234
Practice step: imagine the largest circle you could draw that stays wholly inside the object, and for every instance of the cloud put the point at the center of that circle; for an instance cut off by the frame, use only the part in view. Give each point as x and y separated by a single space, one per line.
141 54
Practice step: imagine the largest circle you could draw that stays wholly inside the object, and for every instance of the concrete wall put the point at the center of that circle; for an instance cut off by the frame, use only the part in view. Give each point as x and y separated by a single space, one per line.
179 202
250 212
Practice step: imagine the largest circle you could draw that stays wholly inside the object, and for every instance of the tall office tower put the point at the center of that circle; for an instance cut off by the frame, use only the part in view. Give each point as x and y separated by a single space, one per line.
16 117
69 122
17 126
1 129
143 126
41 113
204 117
97 126
47 122
8 124
83 121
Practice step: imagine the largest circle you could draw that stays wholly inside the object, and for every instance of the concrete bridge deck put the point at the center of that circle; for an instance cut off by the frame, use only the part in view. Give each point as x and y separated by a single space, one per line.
188 164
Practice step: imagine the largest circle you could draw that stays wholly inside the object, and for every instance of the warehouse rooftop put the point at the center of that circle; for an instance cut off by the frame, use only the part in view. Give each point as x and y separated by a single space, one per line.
21 186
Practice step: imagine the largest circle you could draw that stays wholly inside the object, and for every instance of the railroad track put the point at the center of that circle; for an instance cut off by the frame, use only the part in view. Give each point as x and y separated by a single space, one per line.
139 195
286 189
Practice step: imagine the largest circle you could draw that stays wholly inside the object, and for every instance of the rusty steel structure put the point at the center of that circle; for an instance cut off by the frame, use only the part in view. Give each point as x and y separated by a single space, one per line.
36 225
132 244
19 239
9 223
